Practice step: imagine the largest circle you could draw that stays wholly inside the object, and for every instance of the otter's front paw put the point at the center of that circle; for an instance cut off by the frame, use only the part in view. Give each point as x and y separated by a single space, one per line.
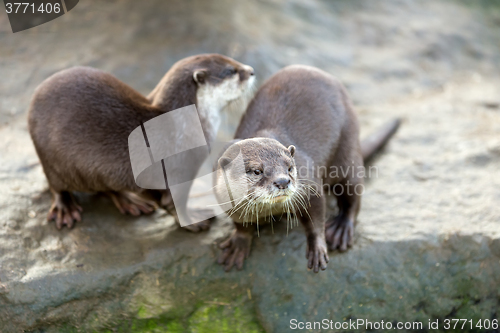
204 214
339 234
235 250
316 254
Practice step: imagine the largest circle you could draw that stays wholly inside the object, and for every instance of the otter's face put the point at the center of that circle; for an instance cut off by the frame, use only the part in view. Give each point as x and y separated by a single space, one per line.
273 180
262 183
222 80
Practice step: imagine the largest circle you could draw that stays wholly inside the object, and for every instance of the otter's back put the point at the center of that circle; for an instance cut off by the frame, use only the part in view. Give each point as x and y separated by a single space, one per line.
79 120
299 105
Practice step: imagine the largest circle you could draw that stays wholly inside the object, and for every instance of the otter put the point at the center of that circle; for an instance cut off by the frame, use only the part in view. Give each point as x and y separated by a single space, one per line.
80 118
299 126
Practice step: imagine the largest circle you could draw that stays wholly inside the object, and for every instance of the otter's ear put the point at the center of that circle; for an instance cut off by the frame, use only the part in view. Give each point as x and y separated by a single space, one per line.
291 149
200 76
224 161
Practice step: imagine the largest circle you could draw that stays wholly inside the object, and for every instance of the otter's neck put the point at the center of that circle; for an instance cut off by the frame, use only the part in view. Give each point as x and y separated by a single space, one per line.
173 91
209 105
176 91
210 121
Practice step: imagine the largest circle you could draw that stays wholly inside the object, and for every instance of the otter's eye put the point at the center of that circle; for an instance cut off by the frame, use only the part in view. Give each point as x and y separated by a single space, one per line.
257 172
229 71
290 169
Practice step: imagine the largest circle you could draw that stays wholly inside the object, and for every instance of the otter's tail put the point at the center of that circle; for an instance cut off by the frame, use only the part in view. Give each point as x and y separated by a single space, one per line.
374 142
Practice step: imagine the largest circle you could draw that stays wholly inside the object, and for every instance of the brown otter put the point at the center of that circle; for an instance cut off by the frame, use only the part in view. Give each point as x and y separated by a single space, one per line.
80 120
298 128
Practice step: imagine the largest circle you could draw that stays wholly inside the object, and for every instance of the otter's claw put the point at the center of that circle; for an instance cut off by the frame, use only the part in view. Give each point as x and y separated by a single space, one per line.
339 234
316 254
64 210
235 250
132 203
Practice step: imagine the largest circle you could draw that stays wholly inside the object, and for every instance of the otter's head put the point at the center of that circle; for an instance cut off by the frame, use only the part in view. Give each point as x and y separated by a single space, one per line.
269 173
221 80
211 81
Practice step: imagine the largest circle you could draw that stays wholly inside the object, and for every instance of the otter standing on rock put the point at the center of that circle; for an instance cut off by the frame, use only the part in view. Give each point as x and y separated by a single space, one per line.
80 120
297 129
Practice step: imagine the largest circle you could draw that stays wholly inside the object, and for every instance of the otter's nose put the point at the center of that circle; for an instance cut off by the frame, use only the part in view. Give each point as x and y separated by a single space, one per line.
250 70
282 182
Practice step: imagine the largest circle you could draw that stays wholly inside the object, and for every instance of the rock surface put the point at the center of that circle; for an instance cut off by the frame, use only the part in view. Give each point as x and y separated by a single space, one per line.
428 238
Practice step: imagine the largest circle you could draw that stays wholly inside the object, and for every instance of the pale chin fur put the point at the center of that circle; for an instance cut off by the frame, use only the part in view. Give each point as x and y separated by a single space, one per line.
230 94
271 197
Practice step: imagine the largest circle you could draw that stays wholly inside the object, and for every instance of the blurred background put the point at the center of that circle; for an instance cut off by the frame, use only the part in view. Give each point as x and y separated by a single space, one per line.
435 63
379 49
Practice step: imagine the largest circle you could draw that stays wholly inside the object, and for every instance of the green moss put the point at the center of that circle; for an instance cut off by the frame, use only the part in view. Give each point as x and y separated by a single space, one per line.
233 315
224 319
157 325
142 313
154 325
175 327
